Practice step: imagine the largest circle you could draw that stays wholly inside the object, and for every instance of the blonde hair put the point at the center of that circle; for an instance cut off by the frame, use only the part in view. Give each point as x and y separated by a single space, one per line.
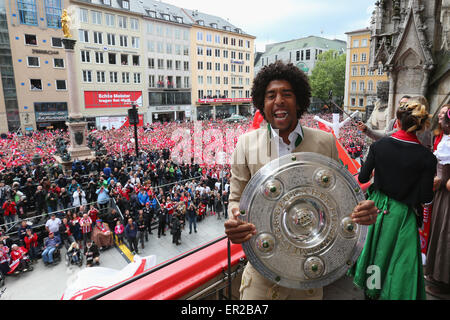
413 116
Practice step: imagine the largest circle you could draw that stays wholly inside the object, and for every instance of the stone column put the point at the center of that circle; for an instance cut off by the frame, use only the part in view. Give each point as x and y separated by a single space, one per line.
76 123
391 103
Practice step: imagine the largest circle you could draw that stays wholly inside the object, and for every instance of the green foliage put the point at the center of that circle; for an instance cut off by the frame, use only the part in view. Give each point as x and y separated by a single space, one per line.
328 74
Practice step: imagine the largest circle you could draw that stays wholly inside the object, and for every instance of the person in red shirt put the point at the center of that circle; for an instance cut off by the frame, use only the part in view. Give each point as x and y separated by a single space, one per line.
9 211
17 258
31 244
93 213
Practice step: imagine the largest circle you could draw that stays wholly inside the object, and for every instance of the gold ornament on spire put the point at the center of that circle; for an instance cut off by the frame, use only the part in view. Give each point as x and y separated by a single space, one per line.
65 22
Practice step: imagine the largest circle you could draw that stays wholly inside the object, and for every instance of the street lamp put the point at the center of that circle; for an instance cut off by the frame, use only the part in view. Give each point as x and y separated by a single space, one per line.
133 119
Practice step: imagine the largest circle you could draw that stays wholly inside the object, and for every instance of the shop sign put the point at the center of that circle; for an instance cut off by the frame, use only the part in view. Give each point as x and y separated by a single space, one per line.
51 116
112 99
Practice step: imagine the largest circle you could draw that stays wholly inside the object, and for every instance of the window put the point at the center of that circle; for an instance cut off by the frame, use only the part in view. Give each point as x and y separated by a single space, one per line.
186 50
217 53
308 54
84 15
200 51
186 65
110 20
27 12
151 63
200 65
225 40
58 62
101 78
169 64
380 70
355 43
354 71
35 84
159 30
208 65
169 48
125 4
85 56
355 58
233 41
208 37
33 61
363 57
217 65
87 76
370 85
361 102
135 42
150 46
125 77
151 81
31 39
200 80
136 60
364 43
209 52
200 94
225 80
99 57
353 102
134 24
225 54
225 67
233 55
362 71
186 82
107 2
61 85
57 42
178 50
186 35
361 85
124 59
200 36
217 38
122 21
353 85
113 78
123 41
168 32
112 58
96 17
160 64
83 35
241 43
111 37
137 77
217 80
177 65
160 47
98 37
53 13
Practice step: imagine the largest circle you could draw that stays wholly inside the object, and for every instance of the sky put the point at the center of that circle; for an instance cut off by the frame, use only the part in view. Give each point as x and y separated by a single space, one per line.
282 20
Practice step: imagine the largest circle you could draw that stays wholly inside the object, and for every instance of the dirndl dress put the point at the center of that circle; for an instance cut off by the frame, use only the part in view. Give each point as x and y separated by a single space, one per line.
390 264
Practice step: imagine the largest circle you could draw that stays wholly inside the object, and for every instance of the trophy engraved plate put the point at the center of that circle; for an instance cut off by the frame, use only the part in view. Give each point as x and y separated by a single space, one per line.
301 206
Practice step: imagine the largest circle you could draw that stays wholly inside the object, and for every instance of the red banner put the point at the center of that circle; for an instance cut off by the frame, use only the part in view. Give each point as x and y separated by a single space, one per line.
112 99
126 124
224 100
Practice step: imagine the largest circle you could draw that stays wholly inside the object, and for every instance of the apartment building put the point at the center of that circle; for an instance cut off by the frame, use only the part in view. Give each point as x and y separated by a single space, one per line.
167 40
37 74
302 52
111 59
360 82
222 58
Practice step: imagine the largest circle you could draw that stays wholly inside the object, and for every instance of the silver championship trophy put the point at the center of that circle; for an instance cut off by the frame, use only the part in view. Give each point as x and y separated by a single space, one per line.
301 205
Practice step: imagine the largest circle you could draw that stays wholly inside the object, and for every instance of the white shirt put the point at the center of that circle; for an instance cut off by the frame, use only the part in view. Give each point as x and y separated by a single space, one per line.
53 225
283 148
442 152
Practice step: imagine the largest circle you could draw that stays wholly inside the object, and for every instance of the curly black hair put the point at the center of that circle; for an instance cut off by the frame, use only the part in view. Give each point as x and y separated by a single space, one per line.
281 71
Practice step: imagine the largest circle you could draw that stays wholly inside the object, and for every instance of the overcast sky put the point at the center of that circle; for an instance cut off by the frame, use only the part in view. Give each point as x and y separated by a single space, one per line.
281 20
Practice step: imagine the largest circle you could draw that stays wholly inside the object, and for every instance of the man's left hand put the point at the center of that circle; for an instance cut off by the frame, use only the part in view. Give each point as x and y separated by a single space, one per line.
365 213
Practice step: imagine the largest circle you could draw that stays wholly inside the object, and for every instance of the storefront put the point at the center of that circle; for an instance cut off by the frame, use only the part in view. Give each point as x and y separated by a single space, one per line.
169 113
50 115
223 108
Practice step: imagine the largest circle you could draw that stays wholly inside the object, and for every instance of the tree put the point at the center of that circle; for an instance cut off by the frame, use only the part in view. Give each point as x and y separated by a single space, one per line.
329 74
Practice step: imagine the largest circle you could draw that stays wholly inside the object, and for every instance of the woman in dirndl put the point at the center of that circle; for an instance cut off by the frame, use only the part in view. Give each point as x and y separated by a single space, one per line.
390 264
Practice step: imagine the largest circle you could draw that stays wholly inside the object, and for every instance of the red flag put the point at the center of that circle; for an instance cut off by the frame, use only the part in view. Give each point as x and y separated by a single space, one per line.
324 127
257 120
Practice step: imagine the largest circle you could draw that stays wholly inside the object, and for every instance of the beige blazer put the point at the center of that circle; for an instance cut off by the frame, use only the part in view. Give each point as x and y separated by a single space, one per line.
254 149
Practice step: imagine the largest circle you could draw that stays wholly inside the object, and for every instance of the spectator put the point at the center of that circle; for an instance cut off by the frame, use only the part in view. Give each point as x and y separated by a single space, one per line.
101 235
102 199
65 233
142 228
92 254
86 228
31 244
52 225
79 197
50 245
131 235
118 230
191 215
9 211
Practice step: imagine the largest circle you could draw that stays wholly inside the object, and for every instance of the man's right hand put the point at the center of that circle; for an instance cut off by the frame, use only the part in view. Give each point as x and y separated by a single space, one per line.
237 230
362 127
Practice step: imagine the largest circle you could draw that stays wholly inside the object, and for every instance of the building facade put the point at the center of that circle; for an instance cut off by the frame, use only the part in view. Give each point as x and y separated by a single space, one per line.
173 63
38 63
360 82
222 58
301 52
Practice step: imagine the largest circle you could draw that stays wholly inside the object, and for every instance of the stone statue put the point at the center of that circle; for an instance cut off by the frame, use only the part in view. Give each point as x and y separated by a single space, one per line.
65 22
378 119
